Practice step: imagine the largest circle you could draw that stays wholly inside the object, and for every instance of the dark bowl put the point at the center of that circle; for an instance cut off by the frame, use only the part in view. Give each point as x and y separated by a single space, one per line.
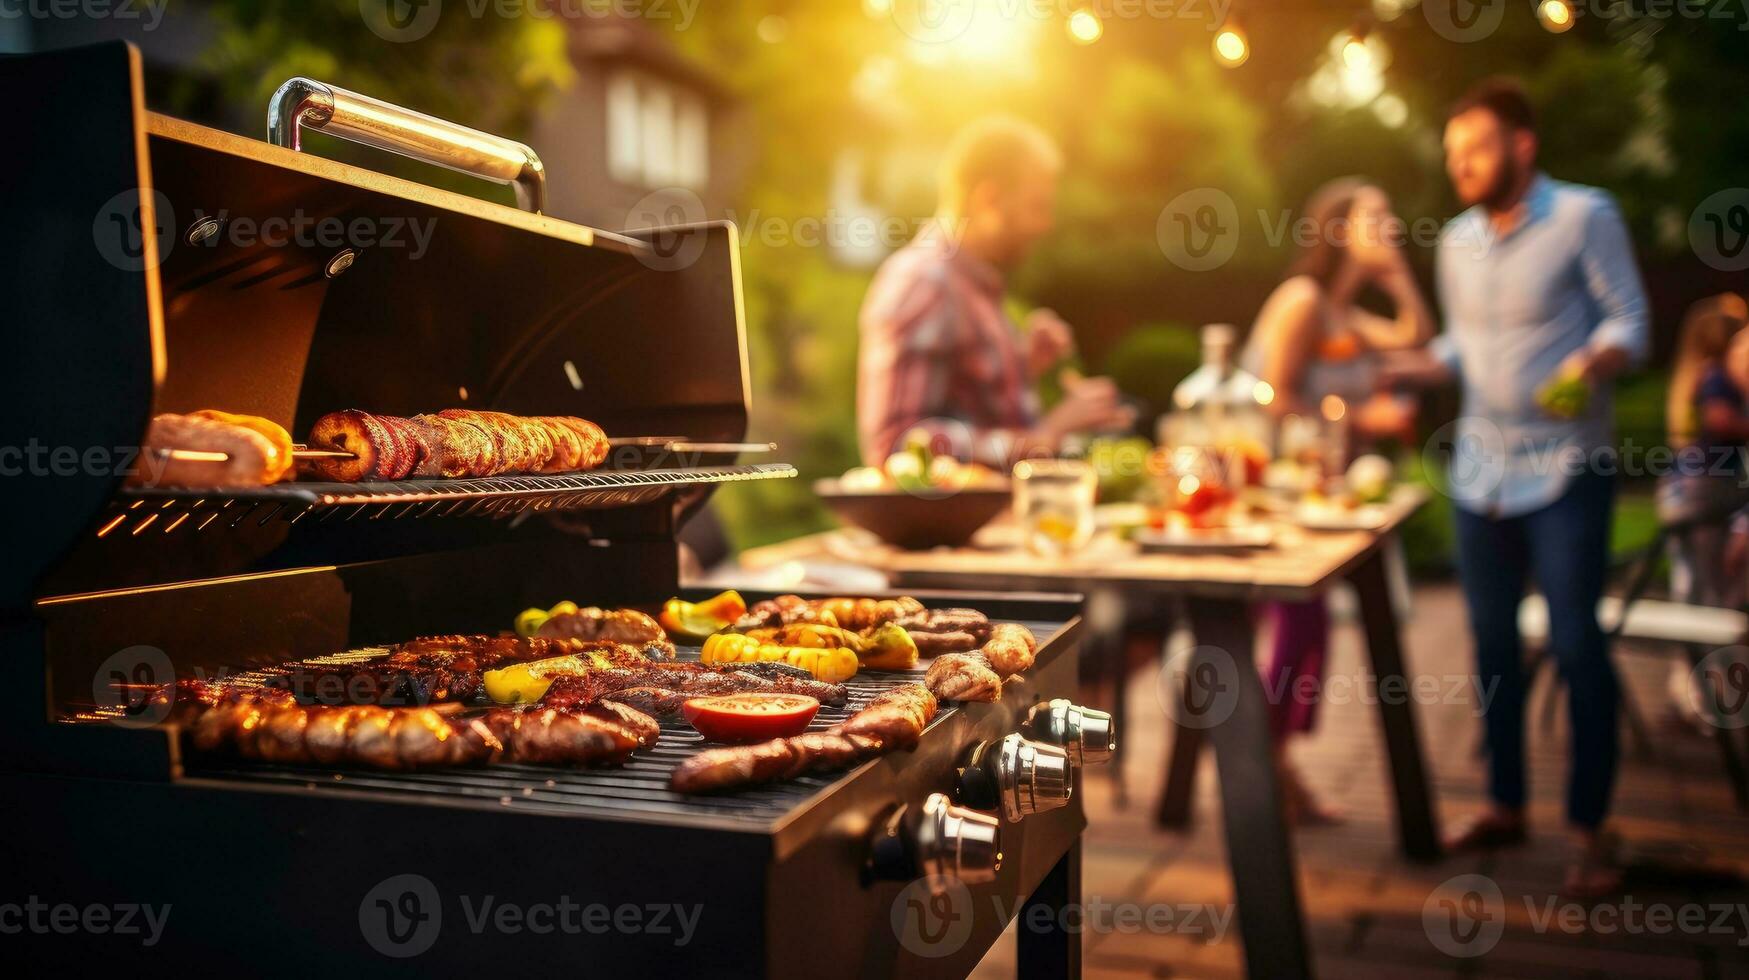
906 520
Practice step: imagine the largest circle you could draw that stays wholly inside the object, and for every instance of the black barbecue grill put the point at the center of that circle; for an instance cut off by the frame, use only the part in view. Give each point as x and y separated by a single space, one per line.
274 869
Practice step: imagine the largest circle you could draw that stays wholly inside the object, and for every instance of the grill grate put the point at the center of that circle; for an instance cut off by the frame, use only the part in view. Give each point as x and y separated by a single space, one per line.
166 509
638 789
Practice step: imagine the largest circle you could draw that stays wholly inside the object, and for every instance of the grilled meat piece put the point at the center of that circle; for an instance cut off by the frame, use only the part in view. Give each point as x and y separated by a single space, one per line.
628 716
937 631
963 677
437 669
1010 649
894 720
688 679
654 701
612 625
269 725
456 442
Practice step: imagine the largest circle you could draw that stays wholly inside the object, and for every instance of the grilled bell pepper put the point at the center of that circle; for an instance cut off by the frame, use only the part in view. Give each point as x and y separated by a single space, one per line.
888 647
697 620
830 665
820 636
526 682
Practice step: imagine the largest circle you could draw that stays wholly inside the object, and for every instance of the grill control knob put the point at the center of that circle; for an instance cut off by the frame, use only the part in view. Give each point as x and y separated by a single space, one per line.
1086 734
937 841
1016 775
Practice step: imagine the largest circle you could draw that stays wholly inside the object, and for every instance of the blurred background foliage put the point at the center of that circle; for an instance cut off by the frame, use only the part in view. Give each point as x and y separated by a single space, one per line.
837 106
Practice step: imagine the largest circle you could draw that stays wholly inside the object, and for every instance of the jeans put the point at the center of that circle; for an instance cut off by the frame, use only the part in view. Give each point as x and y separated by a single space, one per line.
1564 547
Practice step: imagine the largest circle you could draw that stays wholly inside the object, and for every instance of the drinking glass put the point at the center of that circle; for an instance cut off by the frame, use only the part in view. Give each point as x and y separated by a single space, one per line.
1053 500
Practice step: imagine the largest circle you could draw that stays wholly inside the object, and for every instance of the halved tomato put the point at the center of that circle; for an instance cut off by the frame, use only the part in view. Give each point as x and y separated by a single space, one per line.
750 717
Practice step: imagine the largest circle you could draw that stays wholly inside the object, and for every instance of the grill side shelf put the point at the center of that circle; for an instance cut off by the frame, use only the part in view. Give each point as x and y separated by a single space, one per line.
139 509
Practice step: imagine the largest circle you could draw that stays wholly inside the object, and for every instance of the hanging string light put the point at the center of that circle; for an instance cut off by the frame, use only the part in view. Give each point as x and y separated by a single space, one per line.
1084 26
1556 15
1232 48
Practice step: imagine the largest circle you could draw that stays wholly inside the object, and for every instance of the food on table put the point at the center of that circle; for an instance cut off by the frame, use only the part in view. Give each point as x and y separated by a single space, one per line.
270 725
697 620
830 665
1369 478
741 718
1122 467
234 451
1290 476
920 470
894 720
888 646
1565 398
453 443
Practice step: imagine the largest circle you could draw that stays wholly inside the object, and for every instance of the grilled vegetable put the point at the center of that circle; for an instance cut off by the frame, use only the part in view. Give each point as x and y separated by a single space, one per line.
697 620
526 682
740 718
830 665
530 620
888 647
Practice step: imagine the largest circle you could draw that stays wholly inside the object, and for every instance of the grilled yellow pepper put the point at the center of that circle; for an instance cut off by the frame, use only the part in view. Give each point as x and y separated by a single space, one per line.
830 665
519 683
888 647
697 620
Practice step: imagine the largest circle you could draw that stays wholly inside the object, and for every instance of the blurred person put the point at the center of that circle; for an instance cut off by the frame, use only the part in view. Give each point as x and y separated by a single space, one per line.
1544 310
938 350
1311 340
1708 422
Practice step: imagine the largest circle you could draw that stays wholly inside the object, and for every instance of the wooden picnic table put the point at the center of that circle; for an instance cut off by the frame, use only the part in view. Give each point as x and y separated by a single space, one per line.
1216 592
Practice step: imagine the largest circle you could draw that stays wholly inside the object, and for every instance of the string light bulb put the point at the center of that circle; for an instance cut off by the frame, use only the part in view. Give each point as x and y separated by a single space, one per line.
1084 26
1232 48
1556 16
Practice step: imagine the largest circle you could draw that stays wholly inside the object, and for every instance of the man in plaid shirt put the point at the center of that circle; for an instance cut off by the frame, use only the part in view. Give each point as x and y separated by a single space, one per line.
938 352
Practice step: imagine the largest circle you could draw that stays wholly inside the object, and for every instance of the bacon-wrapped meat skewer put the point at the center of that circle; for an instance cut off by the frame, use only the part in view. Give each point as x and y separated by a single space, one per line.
978 675
456 442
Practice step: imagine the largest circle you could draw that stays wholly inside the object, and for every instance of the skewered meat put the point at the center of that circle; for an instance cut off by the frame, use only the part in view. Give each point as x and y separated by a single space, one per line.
612 625
935 631
456 442
978 675
437 669
270 725
379 452
251 458
894 720
690 679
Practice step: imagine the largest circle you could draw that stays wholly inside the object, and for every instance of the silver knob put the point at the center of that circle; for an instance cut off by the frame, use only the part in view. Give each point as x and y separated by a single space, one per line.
1032 777
1088 735
953 841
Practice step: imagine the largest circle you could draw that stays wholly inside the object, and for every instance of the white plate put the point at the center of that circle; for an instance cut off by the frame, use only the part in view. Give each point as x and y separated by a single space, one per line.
1366 517
1249 537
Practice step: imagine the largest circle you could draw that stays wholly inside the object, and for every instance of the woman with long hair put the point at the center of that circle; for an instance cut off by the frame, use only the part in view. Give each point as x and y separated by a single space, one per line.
1709 428
1312 340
